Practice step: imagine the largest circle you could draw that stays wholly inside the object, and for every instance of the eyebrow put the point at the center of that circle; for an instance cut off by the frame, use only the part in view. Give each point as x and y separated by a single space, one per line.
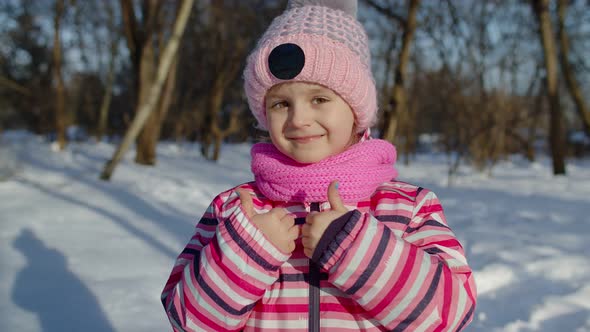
311 91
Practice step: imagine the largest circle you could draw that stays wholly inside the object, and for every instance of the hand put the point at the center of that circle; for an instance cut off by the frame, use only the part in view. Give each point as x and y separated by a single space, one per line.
317 222
277 224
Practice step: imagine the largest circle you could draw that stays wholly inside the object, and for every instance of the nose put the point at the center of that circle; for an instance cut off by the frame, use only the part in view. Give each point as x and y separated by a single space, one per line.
299 116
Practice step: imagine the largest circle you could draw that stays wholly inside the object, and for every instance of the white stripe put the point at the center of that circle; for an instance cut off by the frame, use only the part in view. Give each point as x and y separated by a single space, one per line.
390 265
204 233
453 253
242 265
425 234
454 263
398 232
429 196
436 216
278 292
181 261
258 236
394 207
349 324
224 287
202 301
295 208
298 262
210 209
399 192
433 317
461 306
276 324
416 286
301 292
360 253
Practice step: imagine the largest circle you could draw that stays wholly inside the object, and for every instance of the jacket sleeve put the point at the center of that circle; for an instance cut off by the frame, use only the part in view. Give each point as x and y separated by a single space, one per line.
222 272
408 271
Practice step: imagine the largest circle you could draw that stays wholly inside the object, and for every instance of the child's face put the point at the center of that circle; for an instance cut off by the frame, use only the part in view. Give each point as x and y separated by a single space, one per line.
308 122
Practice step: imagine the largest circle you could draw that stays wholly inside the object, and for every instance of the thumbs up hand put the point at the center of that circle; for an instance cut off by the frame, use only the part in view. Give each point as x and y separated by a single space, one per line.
316 223
277 224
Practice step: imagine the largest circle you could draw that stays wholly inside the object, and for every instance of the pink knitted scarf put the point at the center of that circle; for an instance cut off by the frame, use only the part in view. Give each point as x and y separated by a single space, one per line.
360 170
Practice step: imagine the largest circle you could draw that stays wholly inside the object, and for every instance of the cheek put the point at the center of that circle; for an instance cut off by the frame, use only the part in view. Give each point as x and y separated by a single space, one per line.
275 123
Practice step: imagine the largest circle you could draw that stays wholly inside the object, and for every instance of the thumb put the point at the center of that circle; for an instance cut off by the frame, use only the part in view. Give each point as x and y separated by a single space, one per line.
334 197
246 201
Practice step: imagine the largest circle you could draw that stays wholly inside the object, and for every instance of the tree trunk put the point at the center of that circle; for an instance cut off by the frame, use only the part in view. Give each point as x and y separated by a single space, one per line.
108 93
60 112
220 135
556 135
568 72
145 149
398 103
168 56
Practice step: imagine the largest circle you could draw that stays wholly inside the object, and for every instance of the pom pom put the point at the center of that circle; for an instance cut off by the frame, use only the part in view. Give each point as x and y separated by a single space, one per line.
347 6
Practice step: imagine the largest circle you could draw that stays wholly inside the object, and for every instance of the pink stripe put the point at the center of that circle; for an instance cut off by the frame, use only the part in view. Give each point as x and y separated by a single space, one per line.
228 271
397 287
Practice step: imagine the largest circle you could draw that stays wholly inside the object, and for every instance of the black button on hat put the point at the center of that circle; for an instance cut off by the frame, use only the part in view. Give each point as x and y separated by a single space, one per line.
286 61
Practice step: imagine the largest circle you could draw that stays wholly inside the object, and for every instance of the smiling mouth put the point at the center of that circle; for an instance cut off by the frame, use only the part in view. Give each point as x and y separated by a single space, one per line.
305 139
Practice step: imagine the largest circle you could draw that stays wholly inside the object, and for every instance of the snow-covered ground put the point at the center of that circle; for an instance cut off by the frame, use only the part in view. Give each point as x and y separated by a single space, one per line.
80 254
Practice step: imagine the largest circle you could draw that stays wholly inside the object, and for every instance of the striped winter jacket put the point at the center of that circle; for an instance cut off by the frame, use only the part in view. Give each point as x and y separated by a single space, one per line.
393 265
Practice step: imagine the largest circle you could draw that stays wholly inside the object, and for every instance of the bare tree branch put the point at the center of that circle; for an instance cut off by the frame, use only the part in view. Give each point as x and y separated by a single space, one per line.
388 12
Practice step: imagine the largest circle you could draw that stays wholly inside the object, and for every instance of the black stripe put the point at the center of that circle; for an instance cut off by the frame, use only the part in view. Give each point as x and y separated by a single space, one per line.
300 221
395 219
466 319
314 288
174 316
342 235
196 261
427 223
424 302
191 251
247 248
229 309
360 282
209 221
433 251
330 234
293 277
419 191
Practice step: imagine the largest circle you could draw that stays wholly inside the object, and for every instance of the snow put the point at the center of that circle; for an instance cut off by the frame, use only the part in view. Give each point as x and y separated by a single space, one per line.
80 254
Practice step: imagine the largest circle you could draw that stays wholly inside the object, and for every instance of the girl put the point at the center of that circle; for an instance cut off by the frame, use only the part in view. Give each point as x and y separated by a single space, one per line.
324 238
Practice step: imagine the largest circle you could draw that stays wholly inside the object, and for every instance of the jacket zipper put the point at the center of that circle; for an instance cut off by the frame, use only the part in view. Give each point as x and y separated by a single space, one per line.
314 288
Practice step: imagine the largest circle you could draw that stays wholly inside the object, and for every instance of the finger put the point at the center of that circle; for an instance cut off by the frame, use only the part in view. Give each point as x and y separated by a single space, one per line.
288 219
310 216
305 230
292 246
246 201
334 197
279 213
294 232
305 242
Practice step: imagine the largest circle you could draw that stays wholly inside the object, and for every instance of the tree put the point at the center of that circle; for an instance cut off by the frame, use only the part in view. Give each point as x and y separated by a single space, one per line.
60 112
145 110
397 107
110 79
144 38
230 49
568 72
556 133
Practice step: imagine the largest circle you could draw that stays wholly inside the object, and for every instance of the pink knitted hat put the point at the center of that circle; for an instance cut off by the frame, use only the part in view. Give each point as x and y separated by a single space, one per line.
317 42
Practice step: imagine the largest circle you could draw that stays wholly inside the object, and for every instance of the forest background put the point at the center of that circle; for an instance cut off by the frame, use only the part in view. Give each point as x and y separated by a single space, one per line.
478 80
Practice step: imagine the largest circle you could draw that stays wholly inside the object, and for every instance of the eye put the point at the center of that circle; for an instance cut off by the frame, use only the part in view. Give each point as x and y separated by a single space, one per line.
278 104
319 100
